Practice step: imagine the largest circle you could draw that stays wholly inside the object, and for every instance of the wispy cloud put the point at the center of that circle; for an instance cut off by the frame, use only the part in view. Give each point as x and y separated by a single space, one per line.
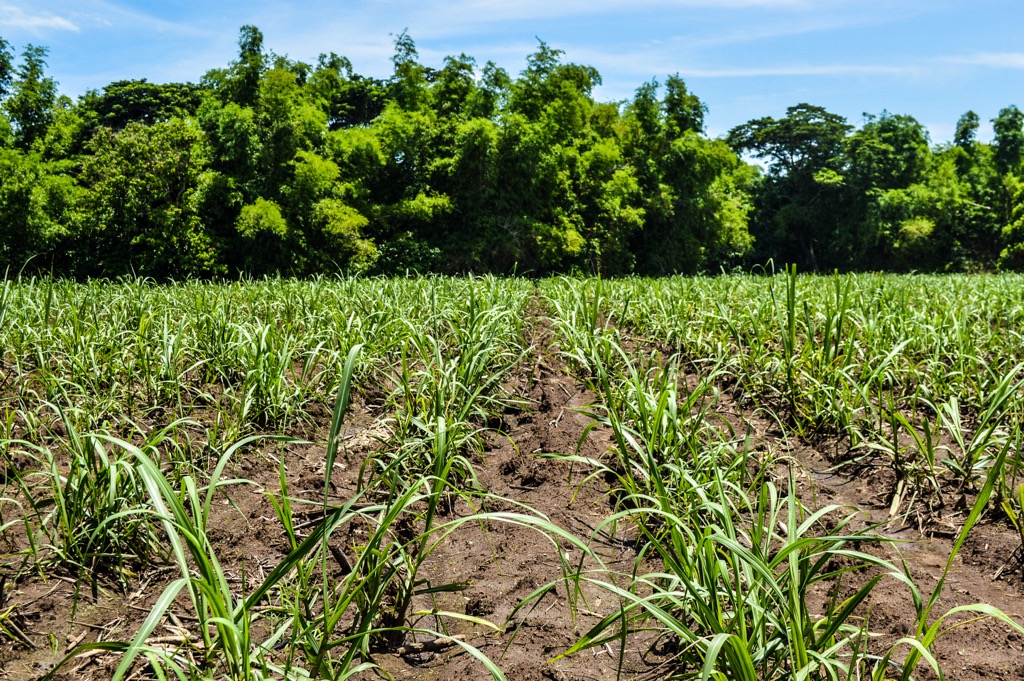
439 19
82 16
790 24
496 10
110 14
803 70
656 60
12 16
995 60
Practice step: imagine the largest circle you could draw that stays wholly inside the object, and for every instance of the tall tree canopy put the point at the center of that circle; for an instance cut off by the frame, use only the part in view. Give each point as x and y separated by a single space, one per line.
271 165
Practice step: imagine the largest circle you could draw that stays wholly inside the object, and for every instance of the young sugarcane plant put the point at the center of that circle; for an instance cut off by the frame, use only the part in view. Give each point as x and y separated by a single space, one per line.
913 463
974 454
1013 507
921 644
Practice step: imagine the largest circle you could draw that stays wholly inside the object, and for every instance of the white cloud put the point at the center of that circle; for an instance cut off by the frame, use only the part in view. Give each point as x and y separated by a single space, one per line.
109 14
995 60
12 16
658 61
84 15
802 70
453 13
440 19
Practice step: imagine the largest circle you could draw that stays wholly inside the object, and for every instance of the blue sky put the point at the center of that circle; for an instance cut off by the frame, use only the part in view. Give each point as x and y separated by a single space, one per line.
932 59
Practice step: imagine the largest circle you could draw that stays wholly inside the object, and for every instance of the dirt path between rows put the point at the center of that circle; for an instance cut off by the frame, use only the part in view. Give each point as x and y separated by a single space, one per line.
505 563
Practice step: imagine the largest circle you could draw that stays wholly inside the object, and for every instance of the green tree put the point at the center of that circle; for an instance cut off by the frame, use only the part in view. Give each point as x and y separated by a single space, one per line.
145 192
888 152
694 191
610 207
455 87
348 99
808 140
409 84
925 226
684 112
6 133
492 91
6 68
287 122
247 71
1009 140
548 86
798 208
35 210
233 136
262 238
33 98
966 131
124 101
327 230
471 240
1012 255
966 142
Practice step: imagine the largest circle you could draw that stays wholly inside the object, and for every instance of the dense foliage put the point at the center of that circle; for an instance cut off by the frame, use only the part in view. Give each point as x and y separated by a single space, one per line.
271 165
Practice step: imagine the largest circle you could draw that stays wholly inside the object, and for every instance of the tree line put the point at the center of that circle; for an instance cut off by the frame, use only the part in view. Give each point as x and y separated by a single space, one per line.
275 166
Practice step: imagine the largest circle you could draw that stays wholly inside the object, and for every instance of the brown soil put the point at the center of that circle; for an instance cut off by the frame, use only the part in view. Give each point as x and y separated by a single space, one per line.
503 563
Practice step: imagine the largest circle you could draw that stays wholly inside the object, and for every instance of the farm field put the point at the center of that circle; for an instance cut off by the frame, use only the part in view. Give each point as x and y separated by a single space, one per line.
738 477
